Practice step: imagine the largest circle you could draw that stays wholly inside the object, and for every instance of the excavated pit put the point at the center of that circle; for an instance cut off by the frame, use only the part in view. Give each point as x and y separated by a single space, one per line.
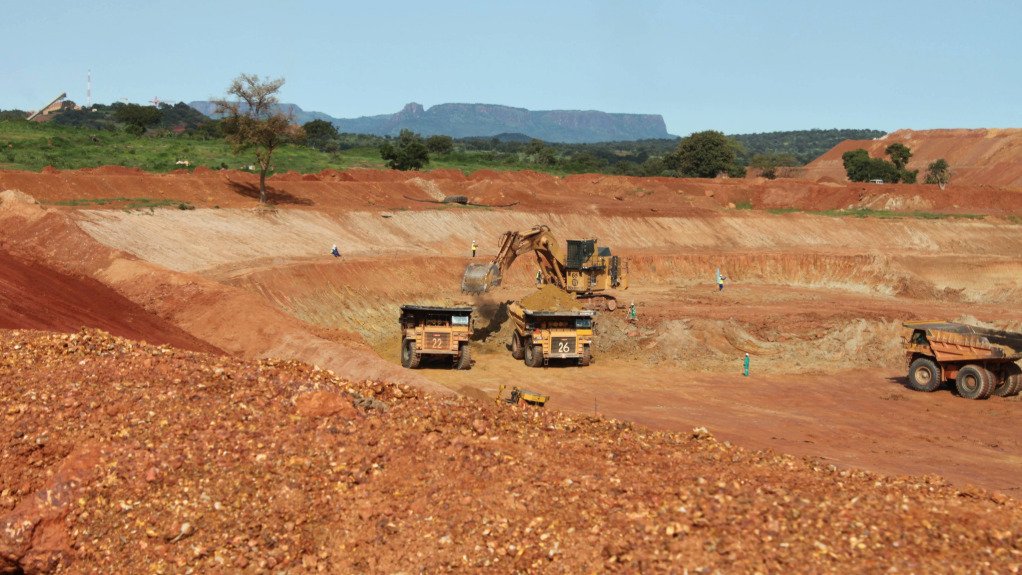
816 301
793 313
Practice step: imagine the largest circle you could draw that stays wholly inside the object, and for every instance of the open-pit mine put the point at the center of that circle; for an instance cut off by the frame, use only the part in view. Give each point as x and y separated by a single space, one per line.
267 424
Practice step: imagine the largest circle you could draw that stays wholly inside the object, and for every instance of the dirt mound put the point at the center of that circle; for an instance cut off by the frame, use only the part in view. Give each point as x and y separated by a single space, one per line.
550 298
115 454
977 157
35 296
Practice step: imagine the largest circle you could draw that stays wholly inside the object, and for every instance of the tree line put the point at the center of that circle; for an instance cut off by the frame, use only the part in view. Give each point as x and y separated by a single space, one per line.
861 167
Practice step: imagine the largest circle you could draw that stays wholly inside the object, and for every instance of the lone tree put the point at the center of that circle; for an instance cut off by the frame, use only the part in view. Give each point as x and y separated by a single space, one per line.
322 135
254 121
440 144
938 172
408 152
137 118
706 155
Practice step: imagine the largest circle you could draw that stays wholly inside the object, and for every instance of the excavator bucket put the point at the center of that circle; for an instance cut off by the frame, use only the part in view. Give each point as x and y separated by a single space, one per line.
479 278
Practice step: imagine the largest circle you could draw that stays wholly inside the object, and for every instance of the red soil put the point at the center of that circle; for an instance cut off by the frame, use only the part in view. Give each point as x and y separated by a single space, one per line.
332 191
35 296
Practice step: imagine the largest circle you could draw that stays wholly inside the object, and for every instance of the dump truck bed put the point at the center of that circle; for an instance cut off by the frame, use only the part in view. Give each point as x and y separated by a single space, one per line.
431 309
951 341
568 313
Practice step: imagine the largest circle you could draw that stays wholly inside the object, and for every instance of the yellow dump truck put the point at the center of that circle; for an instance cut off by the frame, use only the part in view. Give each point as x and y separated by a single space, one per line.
980 361
438 332
540 336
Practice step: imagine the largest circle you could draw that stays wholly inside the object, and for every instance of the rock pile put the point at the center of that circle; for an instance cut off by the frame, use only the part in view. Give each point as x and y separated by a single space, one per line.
121 457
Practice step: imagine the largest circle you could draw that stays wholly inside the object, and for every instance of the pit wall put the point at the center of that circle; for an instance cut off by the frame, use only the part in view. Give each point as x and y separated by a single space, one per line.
235 238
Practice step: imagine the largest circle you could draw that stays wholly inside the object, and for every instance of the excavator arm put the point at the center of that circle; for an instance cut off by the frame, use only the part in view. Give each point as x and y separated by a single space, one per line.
479 278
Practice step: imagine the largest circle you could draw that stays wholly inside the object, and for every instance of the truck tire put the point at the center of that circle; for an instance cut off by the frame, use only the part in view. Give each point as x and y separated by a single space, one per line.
516 347
406 353
587 356
924 375
533 355
1011 381
414 357
974 382
464 357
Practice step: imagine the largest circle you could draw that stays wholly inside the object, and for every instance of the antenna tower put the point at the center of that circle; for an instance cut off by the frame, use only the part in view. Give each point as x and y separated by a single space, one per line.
88 91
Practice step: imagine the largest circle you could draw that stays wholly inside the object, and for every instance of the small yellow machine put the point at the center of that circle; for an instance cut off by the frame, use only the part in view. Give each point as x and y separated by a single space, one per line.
438 332
540 336
520 396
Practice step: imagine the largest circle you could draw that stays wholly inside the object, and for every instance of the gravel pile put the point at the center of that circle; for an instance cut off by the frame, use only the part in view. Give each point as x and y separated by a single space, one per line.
121 457
550 298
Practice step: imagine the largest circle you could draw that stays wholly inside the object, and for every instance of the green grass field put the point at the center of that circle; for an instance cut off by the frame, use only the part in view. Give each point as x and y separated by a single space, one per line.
30 146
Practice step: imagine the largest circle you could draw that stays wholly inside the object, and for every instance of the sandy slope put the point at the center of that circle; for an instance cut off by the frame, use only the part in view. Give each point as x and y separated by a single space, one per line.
977 157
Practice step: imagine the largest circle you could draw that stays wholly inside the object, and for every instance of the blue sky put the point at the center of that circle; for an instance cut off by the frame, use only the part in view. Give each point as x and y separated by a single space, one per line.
738 66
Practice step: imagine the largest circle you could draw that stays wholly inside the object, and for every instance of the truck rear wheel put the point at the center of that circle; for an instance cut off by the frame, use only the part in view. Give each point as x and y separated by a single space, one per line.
533 355
587 356
414 357
974 382
464 357
516 347
1011 381
924 375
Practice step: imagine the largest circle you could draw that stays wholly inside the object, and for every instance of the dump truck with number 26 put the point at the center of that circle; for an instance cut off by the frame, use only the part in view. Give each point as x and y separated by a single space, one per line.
980 361
540 336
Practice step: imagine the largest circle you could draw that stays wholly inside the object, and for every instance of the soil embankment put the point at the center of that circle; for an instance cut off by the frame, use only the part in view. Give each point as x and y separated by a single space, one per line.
985 157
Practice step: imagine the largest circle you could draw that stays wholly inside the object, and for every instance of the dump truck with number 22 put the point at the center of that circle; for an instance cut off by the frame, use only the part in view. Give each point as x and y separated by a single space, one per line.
435 332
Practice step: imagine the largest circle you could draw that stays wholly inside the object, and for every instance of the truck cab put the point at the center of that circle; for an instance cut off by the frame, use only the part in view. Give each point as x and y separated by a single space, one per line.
436 332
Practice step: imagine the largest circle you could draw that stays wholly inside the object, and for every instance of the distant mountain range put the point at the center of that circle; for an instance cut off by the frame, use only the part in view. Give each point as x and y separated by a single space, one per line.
487 120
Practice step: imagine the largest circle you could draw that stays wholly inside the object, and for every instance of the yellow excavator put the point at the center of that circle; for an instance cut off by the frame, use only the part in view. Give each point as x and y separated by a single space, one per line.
585 270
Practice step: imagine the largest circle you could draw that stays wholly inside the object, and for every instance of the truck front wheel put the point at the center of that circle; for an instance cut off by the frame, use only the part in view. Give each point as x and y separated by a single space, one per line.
406 353
587 356
974 382
533 355
464 357
414 357
924 375
516 347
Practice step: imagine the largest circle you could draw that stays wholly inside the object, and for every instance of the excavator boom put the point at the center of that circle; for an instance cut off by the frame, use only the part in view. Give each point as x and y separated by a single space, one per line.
479 278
